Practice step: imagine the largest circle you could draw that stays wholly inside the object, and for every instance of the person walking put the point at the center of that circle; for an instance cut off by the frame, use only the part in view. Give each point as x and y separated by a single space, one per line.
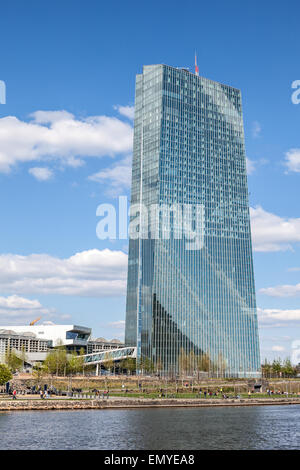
14 394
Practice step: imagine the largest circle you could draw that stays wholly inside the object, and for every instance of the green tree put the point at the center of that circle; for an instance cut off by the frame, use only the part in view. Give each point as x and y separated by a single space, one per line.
56 361
140 364
183 362
203 363
81 360
288 369
221 365
148 365
266 369
276 367
23 357
75 363
122 365
39 371
109 362
50 363
191 360
13 361
145 365
130 365
62 360
5 374
159 366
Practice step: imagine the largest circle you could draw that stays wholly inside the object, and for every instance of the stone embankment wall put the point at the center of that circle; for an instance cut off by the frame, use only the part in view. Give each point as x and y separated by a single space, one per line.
73 404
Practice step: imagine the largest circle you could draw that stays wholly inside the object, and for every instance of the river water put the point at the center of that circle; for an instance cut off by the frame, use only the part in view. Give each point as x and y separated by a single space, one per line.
255 427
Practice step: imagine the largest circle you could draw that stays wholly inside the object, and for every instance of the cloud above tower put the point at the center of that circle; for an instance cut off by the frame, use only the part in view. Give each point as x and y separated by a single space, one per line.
271 232
90 273
59 135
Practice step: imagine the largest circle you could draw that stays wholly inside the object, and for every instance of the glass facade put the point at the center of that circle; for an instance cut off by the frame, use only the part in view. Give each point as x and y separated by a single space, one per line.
188 299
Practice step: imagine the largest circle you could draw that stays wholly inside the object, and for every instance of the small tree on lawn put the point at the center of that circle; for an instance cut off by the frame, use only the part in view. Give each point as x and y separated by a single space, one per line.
130 365
38 372
183 362
288 369
5 374
159 366
75 363
109 362
266 369
13 361
276 367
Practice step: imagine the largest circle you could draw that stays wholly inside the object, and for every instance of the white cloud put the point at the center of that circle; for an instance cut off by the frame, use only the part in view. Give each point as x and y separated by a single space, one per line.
93 273
250 166
15 309
127 111
48 117
119 325
277 317
253 165
278 348
271 232
14 302
59 135
118 176
256 129
292 160
285 290
41 173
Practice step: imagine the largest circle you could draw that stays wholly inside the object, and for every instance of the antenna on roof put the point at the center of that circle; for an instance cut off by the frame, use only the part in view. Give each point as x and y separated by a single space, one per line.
196 66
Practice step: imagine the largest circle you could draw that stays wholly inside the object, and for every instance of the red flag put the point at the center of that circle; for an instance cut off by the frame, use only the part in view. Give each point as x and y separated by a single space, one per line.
196 66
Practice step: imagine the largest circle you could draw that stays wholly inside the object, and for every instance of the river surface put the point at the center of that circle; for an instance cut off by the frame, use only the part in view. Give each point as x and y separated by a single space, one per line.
255 427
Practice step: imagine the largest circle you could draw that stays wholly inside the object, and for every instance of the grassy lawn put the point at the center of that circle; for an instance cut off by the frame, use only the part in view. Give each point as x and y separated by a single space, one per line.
154 395
193 395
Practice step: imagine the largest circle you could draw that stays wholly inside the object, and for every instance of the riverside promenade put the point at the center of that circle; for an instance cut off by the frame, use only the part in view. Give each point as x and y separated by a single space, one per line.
34 403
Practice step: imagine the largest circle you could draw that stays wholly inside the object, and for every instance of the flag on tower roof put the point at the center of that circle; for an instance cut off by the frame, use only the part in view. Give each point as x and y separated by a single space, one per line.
196 66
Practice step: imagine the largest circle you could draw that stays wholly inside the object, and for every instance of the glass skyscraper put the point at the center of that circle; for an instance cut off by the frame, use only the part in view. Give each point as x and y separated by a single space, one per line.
190 291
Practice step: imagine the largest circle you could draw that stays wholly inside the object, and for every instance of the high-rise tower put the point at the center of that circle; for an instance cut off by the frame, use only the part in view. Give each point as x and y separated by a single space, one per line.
190 301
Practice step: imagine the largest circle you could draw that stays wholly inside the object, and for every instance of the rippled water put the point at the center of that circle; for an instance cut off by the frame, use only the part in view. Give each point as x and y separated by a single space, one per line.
259 427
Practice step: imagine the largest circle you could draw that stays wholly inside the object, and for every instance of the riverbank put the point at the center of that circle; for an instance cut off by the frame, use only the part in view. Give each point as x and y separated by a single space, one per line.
23 404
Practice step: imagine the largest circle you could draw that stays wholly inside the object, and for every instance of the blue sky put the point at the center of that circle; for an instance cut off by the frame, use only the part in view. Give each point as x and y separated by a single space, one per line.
76 61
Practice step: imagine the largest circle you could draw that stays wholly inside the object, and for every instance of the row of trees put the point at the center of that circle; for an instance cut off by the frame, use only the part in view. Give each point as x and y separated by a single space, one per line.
59 362
279 368
189 363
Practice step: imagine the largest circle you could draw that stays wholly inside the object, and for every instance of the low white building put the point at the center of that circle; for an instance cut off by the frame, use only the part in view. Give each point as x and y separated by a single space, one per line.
73 337
35 349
